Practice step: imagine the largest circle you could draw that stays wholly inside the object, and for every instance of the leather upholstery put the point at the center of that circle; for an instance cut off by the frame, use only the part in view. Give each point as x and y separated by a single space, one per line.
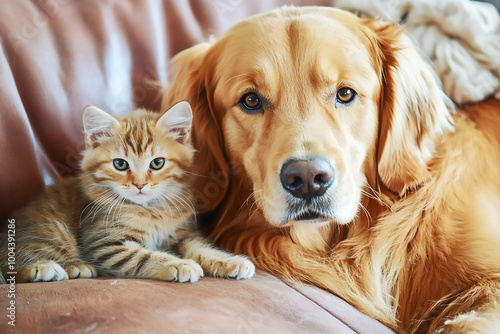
56 57
263 304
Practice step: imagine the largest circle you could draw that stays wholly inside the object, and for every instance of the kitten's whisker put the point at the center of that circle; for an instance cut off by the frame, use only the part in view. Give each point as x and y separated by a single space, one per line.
159 198
187 197
178 199
92 204
101 203
186 200
171 200
187 204
108 212
163 202
176 204
97 204
205 176
117 211
121 206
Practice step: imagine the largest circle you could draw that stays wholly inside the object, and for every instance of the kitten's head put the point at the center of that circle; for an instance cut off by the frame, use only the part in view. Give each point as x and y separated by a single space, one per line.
141 157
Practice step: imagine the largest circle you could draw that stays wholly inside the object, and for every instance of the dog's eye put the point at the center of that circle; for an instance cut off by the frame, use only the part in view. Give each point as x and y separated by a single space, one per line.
251 103
345 95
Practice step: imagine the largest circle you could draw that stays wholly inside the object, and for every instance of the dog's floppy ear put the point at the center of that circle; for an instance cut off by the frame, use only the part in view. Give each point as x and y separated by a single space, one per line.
192 80
413 110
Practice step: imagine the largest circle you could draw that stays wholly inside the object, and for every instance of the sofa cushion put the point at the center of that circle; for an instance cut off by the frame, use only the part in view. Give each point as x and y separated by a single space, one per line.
263 304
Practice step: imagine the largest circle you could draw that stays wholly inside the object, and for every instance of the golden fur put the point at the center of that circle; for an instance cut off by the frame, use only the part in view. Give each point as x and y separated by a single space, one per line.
411 233
116 222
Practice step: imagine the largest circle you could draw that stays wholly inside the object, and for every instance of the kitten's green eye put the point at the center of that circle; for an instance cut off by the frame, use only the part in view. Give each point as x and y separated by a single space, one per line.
120 164
157 163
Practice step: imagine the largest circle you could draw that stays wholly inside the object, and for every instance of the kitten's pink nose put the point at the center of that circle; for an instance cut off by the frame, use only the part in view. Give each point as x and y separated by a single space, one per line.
139 185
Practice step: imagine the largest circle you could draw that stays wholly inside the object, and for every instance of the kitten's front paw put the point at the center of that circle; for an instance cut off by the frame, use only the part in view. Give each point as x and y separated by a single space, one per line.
237 266
41 271
181 271
79 269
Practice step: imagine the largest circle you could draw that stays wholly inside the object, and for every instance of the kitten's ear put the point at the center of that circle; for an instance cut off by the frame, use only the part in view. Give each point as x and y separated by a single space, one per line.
178 119
97 123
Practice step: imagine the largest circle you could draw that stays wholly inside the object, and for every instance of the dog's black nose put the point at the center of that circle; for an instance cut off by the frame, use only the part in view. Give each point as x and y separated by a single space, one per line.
307 179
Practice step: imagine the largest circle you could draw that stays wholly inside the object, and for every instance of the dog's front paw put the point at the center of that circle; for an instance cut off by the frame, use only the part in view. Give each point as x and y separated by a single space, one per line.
237 266
181 271
470 323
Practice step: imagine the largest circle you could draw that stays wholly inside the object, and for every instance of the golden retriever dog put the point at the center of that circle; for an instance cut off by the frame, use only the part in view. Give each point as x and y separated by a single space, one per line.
328 152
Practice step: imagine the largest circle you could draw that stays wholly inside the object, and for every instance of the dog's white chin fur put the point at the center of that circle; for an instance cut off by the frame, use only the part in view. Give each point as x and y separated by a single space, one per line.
320 222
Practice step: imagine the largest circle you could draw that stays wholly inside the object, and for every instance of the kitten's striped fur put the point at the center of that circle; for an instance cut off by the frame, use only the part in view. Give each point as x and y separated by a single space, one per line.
127 223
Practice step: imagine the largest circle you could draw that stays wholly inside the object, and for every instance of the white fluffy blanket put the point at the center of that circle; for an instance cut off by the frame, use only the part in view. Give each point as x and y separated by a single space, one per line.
461 37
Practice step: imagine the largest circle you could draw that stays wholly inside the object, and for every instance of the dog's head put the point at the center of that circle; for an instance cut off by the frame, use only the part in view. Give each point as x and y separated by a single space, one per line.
312 107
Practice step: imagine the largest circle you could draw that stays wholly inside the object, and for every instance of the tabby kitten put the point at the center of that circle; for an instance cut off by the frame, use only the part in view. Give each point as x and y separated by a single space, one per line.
127 209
